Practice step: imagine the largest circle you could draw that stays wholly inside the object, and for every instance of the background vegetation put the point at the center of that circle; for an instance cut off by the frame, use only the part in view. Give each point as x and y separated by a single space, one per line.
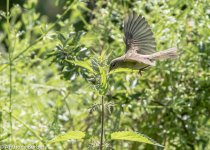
54 56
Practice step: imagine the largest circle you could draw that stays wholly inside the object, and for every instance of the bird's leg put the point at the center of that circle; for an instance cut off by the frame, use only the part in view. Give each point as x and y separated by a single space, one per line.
140 70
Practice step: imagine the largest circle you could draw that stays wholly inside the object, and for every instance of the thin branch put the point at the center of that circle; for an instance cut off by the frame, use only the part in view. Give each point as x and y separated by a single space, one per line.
102 123
10 69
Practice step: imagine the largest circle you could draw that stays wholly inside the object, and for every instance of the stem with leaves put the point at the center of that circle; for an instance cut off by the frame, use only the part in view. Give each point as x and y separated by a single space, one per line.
10 68
102 122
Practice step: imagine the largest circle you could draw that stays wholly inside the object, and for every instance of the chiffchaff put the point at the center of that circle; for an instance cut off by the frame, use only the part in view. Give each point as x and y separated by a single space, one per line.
140 46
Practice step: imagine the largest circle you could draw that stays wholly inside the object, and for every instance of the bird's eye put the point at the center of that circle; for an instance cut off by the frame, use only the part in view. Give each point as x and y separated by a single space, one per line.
113 65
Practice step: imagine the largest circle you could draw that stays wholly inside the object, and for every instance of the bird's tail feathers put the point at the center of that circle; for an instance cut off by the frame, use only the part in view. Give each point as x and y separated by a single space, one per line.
170 53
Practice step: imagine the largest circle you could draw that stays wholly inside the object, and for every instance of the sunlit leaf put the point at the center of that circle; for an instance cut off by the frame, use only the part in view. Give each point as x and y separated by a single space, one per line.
83 64
2 66
4 136
133 136
103 83
71 135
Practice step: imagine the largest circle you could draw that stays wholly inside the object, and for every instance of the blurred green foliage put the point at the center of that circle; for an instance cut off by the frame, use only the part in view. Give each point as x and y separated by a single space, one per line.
58 71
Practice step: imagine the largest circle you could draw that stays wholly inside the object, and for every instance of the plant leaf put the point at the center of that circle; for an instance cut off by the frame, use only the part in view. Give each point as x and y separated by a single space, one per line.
78 36
71 135
103 83
61 38
133 136
4 136
83 64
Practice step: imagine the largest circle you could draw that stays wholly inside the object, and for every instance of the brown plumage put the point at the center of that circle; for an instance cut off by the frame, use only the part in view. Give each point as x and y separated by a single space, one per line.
140 46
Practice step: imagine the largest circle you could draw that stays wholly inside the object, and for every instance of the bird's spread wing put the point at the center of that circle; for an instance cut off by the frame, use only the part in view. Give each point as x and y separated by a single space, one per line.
138 35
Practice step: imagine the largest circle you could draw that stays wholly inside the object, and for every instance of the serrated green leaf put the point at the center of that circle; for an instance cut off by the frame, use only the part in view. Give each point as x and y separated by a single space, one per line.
61 38
78 36
2 66
103 81
71 135
83 64
59 47
133 136
103 77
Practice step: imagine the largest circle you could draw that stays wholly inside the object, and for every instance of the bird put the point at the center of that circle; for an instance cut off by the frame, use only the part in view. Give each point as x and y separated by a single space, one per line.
140 52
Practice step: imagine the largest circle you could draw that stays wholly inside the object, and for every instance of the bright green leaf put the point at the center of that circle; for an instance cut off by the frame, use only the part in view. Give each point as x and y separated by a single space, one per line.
4 136
71 135
83 64
133 136
103 83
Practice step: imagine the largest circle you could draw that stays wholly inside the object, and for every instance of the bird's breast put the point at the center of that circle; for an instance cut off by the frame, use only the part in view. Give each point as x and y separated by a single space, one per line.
133 65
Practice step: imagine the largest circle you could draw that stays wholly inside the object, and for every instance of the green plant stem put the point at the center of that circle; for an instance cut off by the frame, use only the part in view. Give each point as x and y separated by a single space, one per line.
32 131
64 99
10 96
10 70
26 126
102 123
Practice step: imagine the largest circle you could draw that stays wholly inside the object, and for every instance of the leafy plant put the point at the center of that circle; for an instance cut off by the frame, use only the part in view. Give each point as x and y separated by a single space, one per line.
54 59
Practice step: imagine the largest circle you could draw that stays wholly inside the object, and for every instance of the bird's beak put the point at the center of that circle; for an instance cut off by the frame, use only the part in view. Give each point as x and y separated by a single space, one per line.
110 69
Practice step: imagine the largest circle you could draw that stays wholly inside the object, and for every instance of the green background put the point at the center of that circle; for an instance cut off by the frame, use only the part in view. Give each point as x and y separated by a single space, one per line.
47 95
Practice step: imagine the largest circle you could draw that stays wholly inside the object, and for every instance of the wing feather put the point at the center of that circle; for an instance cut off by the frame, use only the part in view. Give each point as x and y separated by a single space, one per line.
138 35
137 22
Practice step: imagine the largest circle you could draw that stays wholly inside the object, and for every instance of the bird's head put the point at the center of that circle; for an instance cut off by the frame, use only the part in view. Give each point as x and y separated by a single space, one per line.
114 64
